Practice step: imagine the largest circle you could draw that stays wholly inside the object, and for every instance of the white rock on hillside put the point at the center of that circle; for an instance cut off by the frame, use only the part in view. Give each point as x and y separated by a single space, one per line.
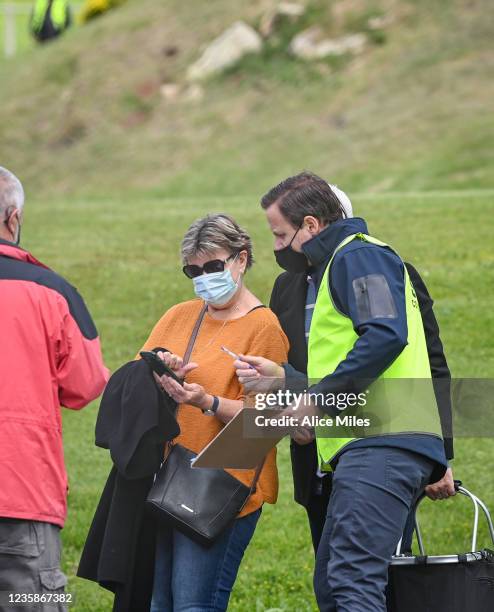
170 91
225 51
175 93
193 93
283 10
380 22
310 44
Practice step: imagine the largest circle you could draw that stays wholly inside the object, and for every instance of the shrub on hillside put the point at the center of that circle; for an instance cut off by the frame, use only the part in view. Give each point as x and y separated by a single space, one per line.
94 8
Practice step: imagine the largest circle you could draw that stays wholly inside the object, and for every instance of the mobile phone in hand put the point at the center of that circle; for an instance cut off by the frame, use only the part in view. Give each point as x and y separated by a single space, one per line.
159 366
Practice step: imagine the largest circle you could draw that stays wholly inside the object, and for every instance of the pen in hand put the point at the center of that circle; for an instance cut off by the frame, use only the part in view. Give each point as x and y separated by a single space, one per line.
235 356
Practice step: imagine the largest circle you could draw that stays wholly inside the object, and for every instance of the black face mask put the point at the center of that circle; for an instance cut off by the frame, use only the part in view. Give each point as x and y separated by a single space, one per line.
18 239
290 260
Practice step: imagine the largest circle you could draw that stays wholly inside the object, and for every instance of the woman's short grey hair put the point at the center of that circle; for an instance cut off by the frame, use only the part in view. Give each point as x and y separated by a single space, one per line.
214 232
11 191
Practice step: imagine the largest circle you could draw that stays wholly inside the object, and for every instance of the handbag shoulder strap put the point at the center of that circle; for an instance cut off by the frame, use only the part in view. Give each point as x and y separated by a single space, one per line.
187 354
254 482
257 475
193 336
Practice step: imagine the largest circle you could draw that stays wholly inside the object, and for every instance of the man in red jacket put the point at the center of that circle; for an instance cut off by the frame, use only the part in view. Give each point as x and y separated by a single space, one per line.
50 356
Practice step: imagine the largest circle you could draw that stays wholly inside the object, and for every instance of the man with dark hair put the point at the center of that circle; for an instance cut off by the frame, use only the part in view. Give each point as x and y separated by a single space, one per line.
292 301
362 324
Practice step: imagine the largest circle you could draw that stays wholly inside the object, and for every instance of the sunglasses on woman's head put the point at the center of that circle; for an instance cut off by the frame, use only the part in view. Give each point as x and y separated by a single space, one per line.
214 265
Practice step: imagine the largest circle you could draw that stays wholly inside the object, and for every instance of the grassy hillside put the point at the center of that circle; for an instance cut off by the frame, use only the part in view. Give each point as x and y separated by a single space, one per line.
84 115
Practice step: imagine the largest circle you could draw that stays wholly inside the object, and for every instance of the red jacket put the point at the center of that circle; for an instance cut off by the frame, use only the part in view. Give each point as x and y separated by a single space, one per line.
50 355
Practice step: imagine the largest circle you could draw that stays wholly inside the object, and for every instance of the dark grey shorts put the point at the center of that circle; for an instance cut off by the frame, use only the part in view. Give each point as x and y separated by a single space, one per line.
30 562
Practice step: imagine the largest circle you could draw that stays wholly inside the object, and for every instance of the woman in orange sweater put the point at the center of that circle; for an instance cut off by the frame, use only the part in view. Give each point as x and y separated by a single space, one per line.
216 253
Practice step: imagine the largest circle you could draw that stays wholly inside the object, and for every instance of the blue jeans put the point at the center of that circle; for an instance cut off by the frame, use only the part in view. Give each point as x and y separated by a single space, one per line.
189 577
373 491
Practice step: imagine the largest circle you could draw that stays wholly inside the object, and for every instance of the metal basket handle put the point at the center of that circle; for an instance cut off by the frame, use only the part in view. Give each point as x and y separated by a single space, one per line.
476 503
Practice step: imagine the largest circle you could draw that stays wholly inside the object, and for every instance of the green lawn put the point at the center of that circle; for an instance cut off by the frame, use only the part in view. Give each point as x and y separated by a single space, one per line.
123 257
84 115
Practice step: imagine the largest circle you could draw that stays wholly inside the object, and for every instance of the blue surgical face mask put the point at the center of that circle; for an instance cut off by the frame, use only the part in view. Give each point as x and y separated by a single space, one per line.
216 288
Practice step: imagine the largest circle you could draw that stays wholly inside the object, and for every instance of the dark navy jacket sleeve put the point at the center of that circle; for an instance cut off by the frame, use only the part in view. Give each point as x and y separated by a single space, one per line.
380 338
295 381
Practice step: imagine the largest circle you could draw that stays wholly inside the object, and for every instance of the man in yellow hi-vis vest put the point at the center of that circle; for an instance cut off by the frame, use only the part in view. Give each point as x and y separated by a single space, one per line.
369 377
49 19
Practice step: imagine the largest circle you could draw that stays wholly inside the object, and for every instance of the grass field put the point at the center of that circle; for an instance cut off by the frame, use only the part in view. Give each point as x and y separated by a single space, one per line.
123 257
114 174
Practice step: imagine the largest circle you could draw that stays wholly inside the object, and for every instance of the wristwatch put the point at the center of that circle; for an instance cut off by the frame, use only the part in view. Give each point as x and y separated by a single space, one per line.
212 411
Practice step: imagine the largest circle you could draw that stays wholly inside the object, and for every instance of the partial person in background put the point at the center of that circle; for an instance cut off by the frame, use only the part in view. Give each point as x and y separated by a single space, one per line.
50 356
49 19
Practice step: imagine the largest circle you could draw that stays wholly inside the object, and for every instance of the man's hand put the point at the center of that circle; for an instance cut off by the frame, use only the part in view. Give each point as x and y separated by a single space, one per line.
303 435
443 488
264 376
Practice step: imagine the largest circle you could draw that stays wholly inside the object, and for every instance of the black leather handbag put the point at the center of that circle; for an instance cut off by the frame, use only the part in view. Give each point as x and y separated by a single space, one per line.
200 502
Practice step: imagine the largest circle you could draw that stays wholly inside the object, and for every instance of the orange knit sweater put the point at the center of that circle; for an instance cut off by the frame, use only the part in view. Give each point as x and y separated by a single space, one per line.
256 333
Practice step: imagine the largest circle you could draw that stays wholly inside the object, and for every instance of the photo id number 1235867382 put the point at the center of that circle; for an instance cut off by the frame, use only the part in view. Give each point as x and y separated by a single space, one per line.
8 598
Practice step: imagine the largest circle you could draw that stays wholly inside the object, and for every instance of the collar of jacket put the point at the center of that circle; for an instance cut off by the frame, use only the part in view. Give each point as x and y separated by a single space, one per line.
320 249
10 249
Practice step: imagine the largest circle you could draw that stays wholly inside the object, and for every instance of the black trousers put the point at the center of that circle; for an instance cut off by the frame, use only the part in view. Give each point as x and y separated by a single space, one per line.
317 508
373 490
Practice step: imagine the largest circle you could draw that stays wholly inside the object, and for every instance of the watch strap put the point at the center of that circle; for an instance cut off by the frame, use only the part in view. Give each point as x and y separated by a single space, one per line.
216 403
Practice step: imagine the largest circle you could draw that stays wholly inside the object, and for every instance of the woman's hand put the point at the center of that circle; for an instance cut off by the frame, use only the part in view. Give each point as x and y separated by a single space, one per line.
190 393
264 376
175 363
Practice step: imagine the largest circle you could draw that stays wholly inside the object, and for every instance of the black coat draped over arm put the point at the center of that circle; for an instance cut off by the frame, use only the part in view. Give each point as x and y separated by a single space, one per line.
135 420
